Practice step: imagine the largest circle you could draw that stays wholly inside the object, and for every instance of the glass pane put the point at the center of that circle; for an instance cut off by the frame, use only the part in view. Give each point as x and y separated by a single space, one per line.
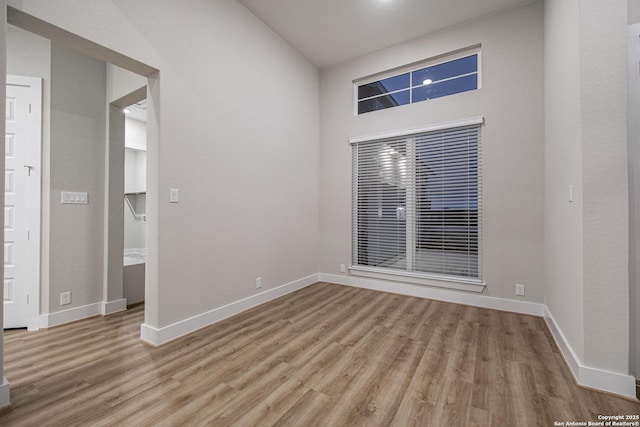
381 205
446 189
447 70
382 102
449 87
384 86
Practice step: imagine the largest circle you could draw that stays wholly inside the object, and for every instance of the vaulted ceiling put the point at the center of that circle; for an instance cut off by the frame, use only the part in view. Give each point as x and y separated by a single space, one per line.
328 32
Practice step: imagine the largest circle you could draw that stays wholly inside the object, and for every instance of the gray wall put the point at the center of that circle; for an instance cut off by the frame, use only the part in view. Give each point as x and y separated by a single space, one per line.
238 135
563 167
633 11
512 141
633 123
586 242
121 82
73 160
78 111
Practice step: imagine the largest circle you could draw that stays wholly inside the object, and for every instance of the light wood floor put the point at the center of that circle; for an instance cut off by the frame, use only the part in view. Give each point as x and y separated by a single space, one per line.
325 355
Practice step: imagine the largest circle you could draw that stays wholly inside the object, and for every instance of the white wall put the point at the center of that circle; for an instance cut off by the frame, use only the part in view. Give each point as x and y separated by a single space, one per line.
512 141
586 242
239 125
134 228
135 132
135 180
78 88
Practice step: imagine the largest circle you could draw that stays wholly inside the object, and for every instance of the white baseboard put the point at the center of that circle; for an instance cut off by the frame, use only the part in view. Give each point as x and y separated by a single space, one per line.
110 307
419 291
5 395
78 313
609 381
158 336
71 315
33 324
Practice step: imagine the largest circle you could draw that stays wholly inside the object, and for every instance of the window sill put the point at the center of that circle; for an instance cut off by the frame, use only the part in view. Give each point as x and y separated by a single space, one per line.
472 285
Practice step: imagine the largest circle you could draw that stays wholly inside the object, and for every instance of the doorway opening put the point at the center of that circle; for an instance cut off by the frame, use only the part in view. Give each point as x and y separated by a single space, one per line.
112 219
135 197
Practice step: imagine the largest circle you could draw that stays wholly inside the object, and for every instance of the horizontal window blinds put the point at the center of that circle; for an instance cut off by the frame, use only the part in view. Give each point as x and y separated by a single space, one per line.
417 203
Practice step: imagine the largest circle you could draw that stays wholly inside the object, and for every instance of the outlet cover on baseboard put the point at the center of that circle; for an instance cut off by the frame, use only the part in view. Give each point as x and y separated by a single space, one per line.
519 290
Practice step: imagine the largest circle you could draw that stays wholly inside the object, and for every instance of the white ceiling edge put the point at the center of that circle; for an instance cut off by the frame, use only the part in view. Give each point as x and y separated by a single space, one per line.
330 32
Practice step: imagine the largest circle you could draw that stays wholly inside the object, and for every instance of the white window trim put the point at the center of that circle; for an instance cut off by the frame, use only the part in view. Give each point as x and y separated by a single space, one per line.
473 285
411 131
428 279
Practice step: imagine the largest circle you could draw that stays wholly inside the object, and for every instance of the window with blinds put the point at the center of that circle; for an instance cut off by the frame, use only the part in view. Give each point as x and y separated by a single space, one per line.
417 203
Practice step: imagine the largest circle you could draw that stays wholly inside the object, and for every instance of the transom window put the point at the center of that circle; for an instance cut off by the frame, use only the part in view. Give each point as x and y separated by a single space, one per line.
433 81
417 204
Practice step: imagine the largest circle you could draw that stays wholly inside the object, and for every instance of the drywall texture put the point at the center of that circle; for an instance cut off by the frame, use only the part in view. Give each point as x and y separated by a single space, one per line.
633 126
30 55
114 203
512 141
238 136
121 82
605 182
78 87
633 11
133 283
563 168
586 244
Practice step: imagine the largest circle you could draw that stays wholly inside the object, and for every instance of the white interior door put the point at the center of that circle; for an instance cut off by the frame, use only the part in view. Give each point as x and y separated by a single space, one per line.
22 202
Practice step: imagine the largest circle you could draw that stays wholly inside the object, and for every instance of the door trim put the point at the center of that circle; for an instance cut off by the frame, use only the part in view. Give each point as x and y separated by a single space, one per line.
35 194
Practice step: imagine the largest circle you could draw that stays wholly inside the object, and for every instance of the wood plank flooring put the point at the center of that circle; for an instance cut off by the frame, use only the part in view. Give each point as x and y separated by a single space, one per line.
326 355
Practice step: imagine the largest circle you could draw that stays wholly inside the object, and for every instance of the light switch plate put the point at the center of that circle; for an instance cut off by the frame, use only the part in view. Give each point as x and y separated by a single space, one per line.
174 195
74 198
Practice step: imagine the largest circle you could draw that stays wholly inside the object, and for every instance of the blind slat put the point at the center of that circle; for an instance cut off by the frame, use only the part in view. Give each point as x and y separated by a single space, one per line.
417 201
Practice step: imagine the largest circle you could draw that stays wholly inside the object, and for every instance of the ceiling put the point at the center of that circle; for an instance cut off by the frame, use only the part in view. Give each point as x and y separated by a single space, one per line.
328 32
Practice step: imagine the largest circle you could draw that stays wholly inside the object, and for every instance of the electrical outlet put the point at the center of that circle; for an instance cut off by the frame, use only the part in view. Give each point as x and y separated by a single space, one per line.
65 298
519 290
258 282
343 268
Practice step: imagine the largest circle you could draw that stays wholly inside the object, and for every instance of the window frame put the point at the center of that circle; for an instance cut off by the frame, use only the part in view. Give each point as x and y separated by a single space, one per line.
420 278
437 60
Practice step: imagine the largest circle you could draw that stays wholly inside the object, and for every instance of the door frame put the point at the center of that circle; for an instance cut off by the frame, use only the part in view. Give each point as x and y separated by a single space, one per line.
35 195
